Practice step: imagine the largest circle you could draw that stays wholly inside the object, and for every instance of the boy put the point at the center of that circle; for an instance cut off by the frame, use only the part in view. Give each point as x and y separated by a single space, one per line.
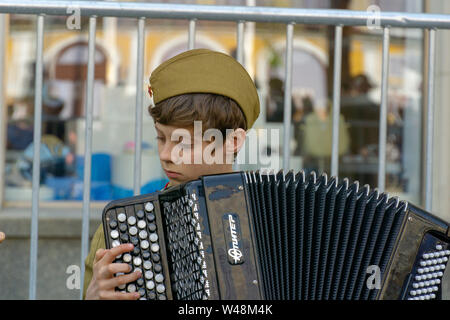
197 85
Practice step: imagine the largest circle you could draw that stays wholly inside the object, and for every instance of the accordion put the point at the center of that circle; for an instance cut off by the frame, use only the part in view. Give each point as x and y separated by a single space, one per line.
254 235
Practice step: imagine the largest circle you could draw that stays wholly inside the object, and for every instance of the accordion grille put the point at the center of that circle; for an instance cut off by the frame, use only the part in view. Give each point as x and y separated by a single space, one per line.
316 238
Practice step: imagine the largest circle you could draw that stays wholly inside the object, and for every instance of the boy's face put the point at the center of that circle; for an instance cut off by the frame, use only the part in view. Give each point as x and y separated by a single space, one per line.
182 155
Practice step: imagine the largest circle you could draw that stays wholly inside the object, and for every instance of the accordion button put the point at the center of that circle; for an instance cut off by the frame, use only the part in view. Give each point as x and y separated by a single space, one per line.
123 227
121 217
161 297
115 243
142 293
114 234
140 214
153 237
440 274
149 206
131 220
157 268
133 231
148 275
432 296
124 237
152 227
152 295
160 288
134 241
415 285
437 281
145 255
155 247
137 261
145 244
150 217
155 257
131 288
159 277
438 247
113 224
127 257
147 265
136 251
143 234
141 224
150 285
121 287
140 282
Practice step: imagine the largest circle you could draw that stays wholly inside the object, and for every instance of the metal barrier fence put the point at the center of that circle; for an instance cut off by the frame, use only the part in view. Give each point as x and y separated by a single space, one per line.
192 13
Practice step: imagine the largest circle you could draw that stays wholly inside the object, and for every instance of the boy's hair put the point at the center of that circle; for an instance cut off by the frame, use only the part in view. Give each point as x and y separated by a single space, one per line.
213 110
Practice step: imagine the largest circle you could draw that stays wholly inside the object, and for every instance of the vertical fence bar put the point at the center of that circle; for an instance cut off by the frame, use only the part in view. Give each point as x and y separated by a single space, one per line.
383 112
4 19
36 156
430 120
336 99
139 88
88 147
191 38
288 96
240 42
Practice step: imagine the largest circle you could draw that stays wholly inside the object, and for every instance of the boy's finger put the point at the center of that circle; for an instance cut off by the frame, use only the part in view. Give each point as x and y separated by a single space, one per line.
111 254
2 236
123 279
99 255
117 295
109 270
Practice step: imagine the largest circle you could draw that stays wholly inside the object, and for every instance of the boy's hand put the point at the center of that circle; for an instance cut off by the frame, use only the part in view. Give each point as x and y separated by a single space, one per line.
2 236
103 281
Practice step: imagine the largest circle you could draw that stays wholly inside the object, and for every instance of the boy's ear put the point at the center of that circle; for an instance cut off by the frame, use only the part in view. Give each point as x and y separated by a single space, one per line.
235 140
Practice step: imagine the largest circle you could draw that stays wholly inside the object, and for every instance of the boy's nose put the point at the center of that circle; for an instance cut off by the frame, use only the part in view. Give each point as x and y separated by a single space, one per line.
165 153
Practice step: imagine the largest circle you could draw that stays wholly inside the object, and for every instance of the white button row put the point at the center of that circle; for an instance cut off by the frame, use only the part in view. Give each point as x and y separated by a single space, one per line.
425 297
436 254
423 291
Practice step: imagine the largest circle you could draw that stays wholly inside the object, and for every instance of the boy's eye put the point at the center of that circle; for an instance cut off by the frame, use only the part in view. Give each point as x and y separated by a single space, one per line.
159 138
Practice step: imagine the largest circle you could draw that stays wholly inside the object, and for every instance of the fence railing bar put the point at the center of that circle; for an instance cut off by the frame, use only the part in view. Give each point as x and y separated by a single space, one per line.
88 147
227 13
240 42
4 22
430 120
383 112
336 100
192 31
288 95
34 236
139 98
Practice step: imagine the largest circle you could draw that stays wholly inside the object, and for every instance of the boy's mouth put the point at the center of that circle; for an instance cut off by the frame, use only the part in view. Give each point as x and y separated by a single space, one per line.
172 174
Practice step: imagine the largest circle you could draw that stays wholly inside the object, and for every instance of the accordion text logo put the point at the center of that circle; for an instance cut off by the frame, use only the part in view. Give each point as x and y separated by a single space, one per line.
233 238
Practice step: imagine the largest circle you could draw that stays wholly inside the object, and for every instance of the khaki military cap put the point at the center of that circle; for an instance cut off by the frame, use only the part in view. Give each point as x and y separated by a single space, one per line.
206 71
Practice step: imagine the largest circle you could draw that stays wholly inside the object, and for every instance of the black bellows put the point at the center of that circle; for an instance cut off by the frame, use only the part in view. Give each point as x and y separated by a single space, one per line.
316 238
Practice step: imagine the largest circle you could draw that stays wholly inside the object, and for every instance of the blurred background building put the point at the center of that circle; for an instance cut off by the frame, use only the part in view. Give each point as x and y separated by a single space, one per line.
65 65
